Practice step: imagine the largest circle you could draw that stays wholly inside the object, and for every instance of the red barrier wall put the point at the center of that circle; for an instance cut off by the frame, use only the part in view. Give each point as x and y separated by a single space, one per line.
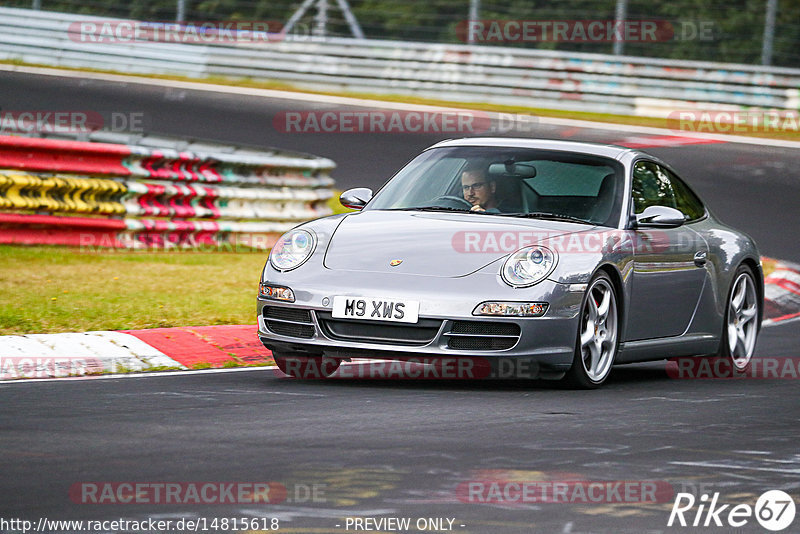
57 230
57 155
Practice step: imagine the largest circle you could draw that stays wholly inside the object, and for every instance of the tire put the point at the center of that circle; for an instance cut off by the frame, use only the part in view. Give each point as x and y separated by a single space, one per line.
305 367
597 341
740 323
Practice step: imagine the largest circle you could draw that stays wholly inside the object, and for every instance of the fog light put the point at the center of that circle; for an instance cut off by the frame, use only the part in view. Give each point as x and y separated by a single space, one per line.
513 309
276 292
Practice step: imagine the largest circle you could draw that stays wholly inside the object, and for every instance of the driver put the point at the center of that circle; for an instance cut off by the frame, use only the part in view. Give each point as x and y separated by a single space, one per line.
479 190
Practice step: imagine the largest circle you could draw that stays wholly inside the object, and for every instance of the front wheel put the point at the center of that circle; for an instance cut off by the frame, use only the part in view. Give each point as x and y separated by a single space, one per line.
305 367
740 329
598 340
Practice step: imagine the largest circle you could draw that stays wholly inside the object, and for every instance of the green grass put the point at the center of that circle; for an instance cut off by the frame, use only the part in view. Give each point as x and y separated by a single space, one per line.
162 368
55 289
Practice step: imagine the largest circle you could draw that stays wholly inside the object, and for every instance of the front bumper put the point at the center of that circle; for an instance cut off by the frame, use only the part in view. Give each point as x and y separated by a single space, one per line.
445 315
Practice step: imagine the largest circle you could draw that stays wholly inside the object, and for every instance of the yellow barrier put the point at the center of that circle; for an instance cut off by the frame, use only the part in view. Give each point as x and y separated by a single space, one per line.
19 190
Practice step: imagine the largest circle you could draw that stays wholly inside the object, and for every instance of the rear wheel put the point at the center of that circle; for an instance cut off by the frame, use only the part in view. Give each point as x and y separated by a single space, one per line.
306 367
597 344
740 329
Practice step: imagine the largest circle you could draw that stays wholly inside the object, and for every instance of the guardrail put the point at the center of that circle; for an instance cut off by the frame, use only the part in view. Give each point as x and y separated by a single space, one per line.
154 192
468 73
782 292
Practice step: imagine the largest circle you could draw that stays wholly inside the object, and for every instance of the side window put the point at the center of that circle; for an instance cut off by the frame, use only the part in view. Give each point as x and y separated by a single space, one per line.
653 185
686 201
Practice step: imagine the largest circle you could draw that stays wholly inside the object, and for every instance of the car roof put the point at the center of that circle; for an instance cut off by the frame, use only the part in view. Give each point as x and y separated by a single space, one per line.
595 149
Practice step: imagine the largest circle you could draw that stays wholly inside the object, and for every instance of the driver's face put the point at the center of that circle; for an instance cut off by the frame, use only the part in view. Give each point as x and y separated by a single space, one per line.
477 191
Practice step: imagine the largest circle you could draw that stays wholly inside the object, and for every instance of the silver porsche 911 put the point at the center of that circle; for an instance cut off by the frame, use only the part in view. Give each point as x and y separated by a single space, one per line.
574 256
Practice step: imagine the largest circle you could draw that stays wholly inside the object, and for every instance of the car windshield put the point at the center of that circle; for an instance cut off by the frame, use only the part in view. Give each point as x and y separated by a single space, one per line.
513 182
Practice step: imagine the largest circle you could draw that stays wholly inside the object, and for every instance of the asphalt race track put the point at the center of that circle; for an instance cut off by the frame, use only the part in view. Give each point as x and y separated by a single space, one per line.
387 448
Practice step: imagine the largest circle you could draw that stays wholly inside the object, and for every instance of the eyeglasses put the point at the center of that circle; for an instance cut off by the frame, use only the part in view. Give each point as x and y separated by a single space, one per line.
473 187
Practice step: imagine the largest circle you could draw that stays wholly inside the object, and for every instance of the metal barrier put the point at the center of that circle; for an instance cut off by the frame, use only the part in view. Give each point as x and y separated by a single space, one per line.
154 192
782 292
467 73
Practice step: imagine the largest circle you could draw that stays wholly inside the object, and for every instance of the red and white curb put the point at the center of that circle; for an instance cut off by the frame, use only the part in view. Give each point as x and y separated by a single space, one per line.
98 353
782 293
77 354
661 141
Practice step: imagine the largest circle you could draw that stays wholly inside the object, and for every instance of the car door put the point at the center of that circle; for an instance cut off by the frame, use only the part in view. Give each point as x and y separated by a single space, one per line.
669 263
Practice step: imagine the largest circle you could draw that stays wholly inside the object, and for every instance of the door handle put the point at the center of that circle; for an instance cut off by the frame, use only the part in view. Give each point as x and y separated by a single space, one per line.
700 258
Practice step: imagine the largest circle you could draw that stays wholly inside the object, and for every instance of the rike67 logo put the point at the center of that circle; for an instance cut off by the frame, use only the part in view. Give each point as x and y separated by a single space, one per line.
774 510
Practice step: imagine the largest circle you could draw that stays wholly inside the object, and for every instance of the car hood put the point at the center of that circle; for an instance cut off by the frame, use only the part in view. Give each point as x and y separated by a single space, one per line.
433 244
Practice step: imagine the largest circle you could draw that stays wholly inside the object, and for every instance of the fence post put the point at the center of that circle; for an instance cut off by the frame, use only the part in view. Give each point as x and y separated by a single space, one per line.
321 19
474 10
619 21
769 32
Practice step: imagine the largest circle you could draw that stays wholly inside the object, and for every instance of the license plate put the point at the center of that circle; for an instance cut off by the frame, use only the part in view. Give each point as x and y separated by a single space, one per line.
376 309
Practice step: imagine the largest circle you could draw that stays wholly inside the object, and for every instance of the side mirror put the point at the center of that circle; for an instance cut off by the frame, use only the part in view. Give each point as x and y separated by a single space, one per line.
357 198
660 217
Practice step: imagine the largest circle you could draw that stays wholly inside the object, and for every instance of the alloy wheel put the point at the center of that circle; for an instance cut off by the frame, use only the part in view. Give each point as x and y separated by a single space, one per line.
742 321
598 336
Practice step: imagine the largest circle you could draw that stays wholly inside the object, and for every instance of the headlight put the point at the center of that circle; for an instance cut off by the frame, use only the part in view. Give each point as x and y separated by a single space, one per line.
272 292
528 266
292 249
511 309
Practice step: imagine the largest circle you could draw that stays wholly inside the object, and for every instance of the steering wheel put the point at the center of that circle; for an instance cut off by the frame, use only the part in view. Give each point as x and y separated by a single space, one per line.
458 201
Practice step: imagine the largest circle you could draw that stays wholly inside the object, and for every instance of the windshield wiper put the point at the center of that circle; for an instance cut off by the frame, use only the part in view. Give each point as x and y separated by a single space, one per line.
431 208
546 215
